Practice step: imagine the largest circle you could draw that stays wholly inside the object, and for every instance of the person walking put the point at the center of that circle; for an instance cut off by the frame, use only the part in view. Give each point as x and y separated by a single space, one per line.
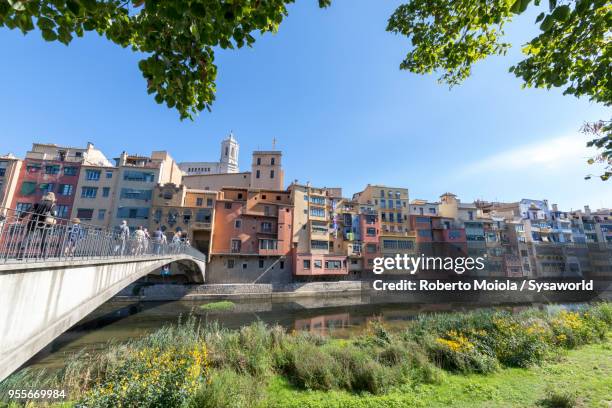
75 234
140 239
124 236
157 240
147 239
40 223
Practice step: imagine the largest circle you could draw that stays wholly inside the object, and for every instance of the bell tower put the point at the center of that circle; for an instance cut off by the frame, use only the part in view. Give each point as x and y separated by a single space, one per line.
229 155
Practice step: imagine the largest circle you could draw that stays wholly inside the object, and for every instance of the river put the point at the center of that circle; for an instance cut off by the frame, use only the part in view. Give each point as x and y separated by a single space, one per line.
119 321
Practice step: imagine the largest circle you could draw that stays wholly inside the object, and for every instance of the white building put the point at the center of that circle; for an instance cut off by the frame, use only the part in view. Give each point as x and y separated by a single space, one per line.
228 161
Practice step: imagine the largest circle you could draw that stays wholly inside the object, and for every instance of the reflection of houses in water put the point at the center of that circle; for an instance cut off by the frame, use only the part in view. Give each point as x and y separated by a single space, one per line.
321 324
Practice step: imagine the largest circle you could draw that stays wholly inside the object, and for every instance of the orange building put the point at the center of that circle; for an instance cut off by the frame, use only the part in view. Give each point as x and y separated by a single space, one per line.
252 236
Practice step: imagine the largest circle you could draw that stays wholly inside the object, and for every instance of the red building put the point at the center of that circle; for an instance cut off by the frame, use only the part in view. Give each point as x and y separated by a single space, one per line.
49 168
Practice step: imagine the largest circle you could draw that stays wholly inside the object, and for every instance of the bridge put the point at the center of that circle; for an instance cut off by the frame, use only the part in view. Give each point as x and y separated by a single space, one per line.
54 272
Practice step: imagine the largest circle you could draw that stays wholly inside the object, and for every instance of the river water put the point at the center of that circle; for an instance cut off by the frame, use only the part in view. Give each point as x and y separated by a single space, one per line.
119 321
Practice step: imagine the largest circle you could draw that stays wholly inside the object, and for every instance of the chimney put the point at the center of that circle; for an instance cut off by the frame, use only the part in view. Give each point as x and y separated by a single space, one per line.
555 207
587 210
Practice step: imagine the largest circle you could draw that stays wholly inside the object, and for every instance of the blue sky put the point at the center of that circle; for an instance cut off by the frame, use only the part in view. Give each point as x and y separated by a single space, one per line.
328 88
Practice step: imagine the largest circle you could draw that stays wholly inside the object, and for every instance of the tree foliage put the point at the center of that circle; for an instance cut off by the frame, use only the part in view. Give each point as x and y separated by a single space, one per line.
178 38
573 50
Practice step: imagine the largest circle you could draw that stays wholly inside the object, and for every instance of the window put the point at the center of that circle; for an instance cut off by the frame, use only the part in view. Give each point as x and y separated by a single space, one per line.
199 201
257 174
131 175
209 202
92 174
272 161
101 214
52 169
371 248
317 200
383 203
133 212
317 212
371 232
109 174
2 171
266 210
136 194
240 196
432 210
89 192
203 216
333 264
236 245
70 171
187 216
391 217
281 264
266 227
315 244
261 263
105 191
62 211
85 213
398 203
245 265
230 264
46 187
271 174
390 203
397 244
237 223
470 215
28 188
382 193
424 220
318 264
259 161
306 263
268 244
228 206
65 189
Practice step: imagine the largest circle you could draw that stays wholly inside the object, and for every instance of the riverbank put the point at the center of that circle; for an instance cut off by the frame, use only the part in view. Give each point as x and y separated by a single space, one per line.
431 358
579 377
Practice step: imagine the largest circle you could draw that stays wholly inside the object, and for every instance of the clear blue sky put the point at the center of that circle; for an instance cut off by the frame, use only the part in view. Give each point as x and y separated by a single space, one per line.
328 87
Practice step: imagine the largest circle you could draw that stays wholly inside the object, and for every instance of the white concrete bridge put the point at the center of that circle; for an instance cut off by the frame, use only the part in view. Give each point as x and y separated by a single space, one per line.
50 281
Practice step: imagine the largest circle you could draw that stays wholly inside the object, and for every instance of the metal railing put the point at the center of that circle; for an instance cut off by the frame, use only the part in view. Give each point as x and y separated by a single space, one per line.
31 237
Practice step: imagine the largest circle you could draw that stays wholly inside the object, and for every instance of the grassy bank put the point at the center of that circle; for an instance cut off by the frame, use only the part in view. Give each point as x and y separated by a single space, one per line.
491 358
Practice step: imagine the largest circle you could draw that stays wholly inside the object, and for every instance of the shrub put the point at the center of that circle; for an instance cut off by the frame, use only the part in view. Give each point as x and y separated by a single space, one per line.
228 389
455 352
218 306
559 399
308 366
151 377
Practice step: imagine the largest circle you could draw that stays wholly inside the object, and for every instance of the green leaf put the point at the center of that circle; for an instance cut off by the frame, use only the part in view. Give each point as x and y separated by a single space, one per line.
561 13
540 17
49 35
547 23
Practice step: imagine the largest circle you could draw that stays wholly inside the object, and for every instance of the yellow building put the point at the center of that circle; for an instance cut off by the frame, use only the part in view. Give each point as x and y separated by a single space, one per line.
391 206
175 208
95 194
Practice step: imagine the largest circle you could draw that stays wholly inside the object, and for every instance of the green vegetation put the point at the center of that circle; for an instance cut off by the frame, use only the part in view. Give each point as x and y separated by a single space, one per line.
218 306
484 358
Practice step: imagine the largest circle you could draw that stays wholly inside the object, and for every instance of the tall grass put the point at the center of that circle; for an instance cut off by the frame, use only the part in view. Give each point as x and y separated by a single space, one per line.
206 365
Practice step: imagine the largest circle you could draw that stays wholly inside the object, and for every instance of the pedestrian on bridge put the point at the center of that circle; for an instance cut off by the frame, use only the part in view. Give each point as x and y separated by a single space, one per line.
41 221
75 234
124 236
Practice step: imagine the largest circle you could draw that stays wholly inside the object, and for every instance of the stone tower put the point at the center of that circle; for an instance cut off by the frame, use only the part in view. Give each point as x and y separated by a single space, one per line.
229 155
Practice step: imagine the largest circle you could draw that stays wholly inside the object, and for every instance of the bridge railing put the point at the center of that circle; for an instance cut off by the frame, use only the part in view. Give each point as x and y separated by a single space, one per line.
30 237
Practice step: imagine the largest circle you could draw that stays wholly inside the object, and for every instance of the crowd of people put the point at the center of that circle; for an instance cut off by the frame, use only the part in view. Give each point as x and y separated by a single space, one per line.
43 236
